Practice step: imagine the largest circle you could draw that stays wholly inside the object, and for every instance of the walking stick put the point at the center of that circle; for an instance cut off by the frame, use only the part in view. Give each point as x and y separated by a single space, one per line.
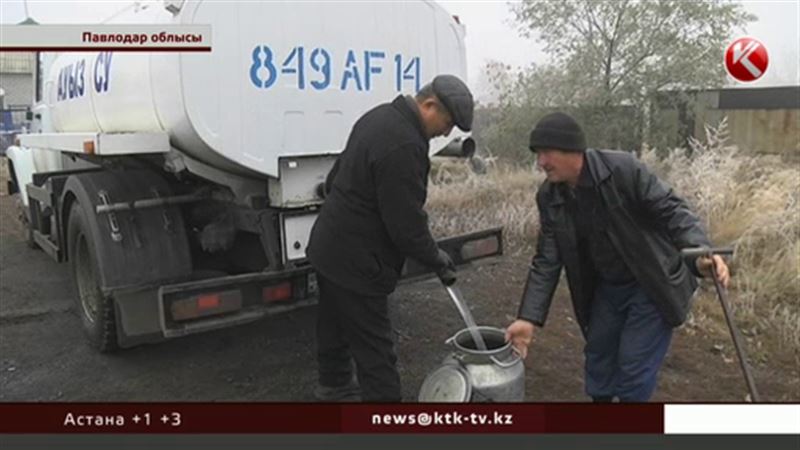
722 294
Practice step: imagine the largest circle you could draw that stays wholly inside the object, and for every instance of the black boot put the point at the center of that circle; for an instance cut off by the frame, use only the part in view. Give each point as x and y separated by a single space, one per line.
350 392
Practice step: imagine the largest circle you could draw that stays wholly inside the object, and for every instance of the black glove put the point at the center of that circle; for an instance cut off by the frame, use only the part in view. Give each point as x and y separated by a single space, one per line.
447 269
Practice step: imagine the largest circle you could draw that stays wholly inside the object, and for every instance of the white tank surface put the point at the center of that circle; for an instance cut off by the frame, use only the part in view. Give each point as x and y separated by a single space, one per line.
282 79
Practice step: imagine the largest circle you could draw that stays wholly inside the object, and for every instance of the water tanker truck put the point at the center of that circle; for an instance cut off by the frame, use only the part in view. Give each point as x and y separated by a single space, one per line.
181 187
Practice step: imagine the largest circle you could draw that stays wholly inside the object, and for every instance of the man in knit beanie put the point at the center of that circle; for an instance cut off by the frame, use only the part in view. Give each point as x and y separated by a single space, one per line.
617 230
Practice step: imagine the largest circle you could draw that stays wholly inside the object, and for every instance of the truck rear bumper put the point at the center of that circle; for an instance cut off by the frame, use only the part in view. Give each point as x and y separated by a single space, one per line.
156 313
148 314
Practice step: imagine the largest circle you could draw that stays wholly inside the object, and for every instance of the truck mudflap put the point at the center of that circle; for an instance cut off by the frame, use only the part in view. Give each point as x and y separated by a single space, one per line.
155 313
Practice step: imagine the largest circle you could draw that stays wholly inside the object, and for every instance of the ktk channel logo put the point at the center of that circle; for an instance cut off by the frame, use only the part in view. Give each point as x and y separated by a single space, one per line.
746 59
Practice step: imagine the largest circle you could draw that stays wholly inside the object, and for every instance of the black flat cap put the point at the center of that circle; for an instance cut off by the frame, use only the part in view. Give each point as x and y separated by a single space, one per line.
557 131
456 97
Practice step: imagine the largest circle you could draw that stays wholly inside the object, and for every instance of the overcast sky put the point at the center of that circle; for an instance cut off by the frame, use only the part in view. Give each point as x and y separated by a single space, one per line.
491 34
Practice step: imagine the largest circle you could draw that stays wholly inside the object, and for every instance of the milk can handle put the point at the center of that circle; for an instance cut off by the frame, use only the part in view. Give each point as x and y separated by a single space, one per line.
506 365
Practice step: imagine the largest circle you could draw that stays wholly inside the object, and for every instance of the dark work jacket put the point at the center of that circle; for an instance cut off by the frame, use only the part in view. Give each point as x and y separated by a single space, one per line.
373 215
647 224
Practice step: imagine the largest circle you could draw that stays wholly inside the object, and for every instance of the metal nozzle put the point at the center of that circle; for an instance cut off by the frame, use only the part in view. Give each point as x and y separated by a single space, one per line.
706 251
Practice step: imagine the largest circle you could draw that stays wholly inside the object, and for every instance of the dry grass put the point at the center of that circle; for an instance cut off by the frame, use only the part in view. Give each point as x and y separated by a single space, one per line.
747 201
461 201
750 202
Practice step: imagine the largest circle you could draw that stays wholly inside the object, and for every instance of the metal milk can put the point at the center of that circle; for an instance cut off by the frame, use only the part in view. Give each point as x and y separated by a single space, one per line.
496 374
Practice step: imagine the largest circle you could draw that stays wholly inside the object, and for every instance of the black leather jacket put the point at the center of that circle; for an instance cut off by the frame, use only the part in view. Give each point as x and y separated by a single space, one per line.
648 225
373 218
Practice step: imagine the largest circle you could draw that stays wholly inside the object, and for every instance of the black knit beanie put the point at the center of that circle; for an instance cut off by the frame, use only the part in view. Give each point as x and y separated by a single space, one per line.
557 131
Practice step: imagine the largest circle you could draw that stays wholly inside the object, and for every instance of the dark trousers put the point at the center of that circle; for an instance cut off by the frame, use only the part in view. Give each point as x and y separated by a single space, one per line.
625 345
354 327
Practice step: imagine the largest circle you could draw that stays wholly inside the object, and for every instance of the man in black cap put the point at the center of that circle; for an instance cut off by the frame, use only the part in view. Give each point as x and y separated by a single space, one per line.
618 231
372 220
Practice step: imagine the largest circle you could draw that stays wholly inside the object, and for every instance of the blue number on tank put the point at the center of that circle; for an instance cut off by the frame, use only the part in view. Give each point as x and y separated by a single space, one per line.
411 72
267 64
293 64
323 68
360 70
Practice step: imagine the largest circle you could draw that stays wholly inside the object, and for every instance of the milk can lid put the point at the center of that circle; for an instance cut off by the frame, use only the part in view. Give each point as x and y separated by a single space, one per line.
447 384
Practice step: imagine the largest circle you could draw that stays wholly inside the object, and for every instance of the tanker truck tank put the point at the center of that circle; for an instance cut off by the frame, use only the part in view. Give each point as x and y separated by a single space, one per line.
282 80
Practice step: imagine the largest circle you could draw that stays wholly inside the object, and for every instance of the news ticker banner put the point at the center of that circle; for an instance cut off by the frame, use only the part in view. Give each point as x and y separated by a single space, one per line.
286 418
84 38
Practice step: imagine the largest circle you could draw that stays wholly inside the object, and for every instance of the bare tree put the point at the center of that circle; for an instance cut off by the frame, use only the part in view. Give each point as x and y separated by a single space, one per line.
626 69
622 51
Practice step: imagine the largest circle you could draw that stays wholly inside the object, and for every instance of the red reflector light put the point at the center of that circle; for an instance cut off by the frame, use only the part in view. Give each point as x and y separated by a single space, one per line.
204 305
277 292
207 301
